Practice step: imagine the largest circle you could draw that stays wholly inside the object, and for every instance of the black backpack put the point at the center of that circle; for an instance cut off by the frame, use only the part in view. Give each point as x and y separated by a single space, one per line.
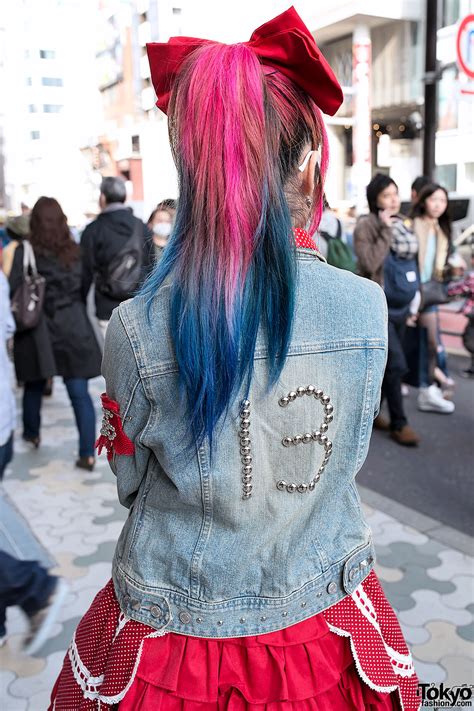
123 273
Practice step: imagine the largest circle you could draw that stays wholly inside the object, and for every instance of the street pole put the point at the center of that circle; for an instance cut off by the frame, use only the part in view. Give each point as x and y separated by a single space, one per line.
431 93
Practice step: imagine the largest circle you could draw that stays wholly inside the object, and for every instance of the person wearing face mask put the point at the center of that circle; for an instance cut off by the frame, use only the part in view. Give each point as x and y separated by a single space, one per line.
386 250
432 227
160 223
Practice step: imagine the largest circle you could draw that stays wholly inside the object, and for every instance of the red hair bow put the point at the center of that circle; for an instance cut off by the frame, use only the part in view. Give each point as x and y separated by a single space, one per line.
284 43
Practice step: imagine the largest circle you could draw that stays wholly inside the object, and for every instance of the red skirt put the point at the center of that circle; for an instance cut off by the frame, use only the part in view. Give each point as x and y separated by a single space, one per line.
351 657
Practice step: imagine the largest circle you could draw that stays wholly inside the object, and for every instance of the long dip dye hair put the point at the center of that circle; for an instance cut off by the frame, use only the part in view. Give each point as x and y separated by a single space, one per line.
238 131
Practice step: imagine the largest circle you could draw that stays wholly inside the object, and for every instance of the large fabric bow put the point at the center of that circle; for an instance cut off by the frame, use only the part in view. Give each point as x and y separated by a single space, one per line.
284 43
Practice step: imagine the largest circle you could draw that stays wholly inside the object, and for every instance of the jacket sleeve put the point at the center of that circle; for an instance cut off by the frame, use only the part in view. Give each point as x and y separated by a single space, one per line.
371 246
87 259
124 385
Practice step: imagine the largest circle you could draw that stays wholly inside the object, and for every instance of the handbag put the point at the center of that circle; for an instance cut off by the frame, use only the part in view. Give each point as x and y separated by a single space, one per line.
433 292
28 299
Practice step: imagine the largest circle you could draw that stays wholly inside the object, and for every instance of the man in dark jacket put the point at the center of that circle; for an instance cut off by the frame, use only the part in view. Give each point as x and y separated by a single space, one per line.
108 246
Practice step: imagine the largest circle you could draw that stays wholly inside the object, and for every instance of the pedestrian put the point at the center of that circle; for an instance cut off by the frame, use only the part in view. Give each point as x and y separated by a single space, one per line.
245 564
464 287
384 242
17 229
160 223
432 227
418 184
116 251
63 342
23 583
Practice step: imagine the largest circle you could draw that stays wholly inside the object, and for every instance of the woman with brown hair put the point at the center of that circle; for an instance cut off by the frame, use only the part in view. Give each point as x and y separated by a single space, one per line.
63 343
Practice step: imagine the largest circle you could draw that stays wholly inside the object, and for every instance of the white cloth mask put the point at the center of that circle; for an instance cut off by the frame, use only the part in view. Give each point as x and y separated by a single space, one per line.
162 229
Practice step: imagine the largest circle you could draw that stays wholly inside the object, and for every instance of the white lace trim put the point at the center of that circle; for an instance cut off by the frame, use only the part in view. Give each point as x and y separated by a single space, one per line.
403 662
91 685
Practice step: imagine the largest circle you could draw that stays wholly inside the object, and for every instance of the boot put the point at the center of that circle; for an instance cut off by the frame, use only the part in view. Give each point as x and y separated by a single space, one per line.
380 423
405 436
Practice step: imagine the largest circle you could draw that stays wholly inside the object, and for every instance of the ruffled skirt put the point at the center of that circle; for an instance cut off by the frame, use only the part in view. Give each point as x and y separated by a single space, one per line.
351 657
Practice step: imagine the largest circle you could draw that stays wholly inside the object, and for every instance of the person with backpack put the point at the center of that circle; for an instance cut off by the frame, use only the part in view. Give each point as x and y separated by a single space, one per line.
116 251
61 340
241 385
386 251
332 242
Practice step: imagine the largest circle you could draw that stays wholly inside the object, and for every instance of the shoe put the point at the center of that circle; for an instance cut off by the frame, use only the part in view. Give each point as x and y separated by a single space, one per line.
35 441
48 388
444 380
42 621
468 373
405 436
380 423
431 400
405 390
86 463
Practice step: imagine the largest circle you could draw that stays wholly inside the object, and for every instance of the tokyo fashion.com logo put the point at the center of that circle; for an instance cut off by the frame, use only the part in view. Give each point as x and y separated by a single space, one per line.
445 697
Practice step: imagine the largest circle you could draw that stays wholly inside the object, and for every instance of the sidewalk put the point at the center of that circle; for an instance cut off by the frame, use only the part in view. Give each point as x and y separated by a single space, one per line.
426 574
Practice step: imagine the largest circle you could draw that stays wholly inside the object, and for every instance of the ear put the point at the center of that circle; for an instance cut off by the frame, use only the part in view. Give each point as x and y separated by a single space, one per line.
307 178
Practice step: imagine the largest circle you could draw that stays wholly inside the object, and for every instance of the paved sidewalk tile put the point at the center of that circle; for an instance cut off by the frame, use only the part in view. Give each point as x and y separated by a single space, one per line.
77 518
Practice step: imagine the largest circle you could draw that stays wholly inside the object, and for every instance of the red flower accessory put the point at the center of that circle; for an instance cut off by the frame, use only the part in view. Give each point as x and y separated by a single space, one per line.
112 437
284 43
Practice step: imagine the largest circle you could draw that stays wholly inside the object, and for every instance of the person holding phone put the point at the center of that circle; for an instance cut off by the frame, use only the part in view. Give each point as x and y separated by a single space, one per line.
384 239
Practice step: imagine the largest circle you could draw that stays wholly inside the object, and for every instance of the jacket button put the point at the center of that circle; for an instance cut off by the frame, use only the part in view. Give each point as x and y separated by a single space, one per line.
155 611
352 573
184 617
135 604
332 588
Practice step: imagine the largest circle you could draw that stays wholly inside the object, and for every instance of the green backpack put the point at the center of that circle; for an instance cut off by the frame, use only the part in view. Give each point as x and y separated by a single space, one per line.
339 254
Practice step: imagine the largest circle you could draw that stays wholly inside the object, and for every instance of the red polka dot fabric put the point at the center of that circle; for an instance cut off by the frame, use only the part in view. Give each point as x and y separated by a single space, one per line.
351 656
303 239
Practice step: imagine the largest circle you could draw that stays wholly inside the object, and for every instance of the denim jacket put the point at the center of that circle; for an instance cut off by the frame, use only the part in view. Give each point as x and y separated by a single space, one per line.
270 531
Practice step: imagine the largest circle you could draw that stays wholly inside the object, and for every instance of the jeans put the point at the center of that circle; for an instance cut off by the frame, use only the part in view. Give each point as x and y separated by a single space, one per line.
6 455
81 402
394 371
24 583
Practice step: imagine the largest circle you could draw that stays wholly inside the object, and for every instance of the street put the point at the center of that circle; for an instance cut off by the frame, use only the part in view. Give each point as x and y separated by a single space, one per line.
435 478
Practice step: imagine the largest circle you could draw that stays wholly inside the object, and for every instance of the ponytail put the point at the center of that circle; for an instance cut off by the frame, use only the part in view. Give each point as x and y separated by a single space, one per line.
231 257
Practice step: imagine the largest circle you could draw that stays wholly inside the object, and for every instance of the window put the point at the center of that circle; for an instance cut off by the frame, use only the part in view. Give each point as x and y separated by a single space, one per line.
450 12
34 135
52 108
176 11
135 144
28 81
47 54
51 81
446 176
32 109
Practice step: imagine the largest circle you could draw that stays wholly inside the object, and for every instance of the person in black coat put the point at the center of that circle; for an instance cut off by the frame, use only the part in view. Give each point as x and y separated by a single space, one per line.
103 240
63 343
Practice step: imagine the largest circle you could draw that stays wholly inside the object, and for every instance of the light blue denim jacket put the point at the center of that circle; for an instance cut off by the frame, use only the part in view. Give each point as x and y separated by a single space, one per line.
197 555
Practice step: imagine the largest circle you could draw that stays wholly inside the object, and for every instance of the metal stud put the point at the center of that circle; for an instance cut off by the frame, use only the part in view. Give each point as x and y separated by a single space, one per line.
244 441
242 620
324 427
311 485
323 439
247 469
220 622
287 441
247 488
316 435
247 479
317 477
328 418
284 401
245 450
302 488
247 459
325 399
310 390
245 403
198 619
284 614
281 486
307 438
303 604
263 618
292 396
329 409
291 488
246 496
244 422
318 393
300 391
297 439
244 432
245 412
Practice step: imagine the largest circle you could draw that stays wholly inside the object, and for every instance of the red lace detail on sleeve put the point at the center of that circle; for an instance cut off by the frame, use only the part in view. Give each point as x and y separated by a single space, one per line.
112 437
